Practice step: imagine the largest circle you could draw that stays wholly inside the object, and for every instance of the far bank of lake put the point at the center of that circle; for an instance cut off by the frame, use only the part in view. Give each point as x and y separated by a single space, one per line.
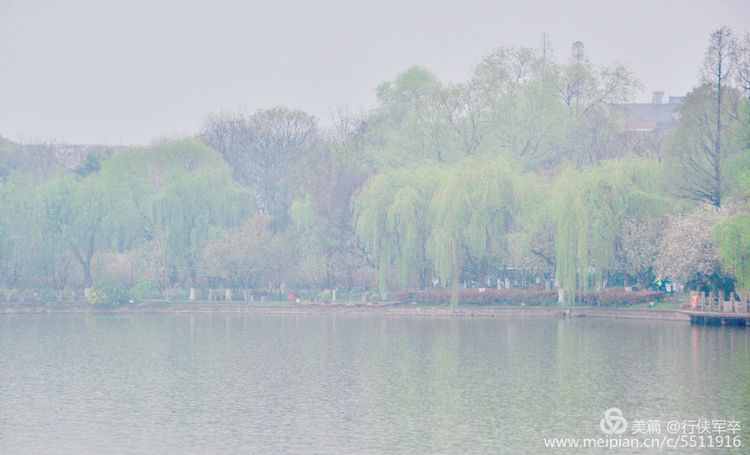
386 309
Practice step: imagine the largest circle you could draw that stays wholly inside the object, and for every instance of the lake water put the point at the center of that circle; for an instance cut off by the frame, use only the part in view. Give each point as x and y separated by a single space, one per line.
211 383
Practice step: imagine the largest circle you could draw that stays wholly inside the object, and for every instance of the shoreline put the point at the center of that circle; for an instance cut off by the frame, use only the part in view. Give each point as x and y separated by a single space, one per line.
661 314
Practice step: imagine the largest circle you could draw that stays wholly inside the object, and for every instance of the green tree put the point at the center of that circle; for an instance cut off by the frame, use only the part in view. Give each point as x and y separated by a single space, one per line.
56 216
589 92
192 210
532 241
583 86
739 164
393 223
473 210
590 206
699 152
702 147
139 176
452 222
733 244
76 213
19 231
409 125
516 108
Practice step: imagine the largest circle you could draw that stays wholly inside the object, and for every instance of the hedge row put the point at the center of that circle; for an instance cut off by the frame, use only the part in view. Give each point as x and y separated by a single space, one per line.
524 297
474 297
618 298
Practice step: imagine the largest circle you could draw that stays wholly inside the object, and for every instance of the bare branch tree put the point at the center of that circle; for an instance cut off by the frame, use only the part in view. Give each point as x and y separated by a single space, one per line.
741 57
702 144
264 151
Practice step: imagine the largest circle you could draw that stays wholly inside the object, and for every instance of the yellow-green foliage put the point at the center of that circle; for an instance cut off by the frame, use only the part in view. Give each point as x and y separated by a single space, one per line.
107 294
733 239
392 220
589 206
430 218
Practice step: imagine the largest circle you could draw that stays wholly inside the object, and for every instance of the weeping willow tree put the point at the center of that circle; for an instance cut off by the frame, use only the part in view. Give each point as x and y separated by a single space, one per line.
589 206
392 222
20 233
733 241
532 240
405 219
450 207
78 213
438 220
140 176
193 209
472 212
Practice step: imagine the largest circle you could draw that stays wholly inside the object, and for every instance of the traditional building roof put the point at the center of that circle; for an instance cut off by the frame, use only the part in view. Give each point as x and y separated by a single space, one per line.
652 116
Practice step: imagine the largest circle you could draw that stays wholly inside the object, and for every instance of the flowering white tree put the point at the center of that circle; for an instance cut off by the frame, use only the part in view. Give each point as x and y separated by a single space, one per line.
638 248
687 248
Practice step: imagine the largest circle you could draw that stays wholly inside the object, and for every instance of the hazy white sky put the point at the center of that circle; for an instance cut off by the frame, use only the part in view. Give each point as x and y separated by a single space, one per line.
124 72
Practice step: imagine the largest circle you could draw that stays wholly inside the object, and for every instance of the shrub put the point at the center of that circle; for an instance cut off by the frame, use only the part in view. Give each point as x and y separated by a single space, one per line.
144 289
473 297
108 294
524 297
618 298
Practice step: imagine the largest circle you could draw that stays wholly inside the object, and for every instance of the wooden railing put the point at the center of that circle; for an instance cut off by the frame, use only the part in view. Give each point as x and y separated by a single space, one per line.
717 302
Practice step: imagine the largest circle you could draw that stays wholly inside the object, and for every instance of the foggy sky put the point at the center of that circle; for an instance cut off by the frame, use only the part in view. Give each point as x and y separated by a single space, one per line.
125 72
